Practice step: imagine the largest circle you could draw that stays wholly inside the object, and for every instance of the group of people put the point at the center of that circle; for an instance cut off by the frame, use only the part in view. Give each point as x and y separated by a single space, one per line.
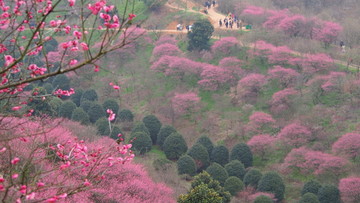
180 27
231 21
208 4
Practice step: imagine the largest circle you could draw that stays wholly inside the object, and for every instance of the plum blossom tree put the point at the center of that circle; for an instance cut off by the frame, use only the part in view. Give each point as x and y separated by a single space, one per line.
165 49
348 145
261 144
285 76
184 103
295 135
250 85
315 162
41 161
166 39
214 77
349 189
225 46
259 122
233 65
282 100
327 31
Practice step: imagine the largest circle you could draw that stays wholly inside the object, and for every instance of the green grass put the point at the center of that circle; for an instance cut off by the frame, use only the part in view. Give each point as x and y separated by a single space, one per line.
156 151
206 98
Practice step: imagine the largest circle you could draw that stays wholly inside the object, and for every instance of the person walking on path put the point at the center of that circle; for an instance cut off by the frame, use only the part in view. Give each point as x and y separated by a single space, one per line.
220 22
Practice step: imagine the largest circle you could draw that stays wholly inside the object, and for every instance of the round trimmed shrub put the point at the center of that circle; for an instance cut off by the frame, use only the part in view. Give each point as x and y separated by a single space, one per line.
55 104
174 146
66 109
217 172
76 97
252 177
140 127
81 116
206 142
200 156
61 82
186 165
220 155
89 95
271 182
111 104
141 142
115 132
329 194
86 105
309 198
312 186
102 126
164 133
233 185
235 168
126 115
48 87
201 193
153 125
96 111
242 153
263 199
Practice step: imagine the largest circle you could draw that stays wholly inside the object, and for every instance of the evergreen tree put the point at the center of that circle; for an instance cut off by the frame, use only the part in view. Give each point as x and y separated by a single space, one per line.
200 155
236 168
96 111
61 82
141 142
252 177
140 127
200 35
86 105
102 125
233 185
220 155
81 116
201 194
242 153
329 194
263 199
271 182
164 133
174 146
126 115
309 198
312 186
89 95
206 142
66 109
186 165
153 125
111 104
76 97
217 172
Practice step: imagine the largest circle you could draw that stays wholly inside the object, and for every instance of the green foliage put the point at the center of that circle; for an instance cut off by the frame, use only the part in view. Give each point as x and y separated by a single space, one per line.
81 116
89 95
312 186
141 142
233 185
271 182
200 35
186 165
96 111
252 177
205 178
174 146
201 194
48 87
263 199
115 132
200 155
309 198
329 194
140 127
66 109
164 133
39 105
235 168
86 105
153 125
102 126
55 104
220 155
126 115
111 104
61 82
217 172
242 153
76 98
206 142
